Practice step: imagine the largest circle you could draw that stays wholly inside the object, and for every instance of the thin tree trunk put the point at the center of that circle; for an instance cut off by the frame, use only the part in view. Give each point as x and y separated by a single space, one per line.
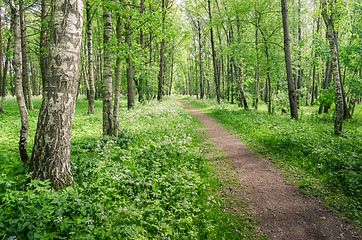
130 90
1 61
107 91
200 59
117 84
314 69
256 96
2 109
51 152
44 41
141 87
171 78
162 54
331 37
325 85
18 87
288 63
216 79
25 62
91 96
7 59
346 113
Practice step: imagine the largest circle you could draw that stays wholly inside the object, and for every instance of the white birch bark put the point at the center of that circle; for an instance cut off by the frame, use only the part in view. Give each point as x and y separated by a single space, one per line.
51 153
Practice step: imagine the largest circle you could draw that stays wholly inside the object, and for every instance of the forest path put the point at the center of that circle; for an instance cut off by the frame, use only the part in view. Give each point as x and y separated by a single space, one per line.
282 211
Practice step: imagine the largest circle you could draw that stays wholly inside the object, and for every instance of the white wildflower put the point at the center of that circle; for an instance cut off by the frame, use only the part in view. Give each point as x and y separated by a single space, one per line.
89 221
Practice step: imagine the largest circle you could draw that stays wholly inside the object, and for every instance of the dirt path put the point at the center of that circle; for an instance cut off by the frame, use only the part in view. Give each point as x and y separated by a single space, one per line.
282 211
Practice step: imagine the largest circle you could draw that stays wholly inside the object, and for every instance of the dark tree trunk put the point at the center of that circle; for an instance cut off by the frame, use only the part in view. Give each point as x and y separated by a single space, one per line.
141 86
214 60
162 54
256 96
200 60
171 78
2 109
44 41
91 96
288 63
325 86
130 90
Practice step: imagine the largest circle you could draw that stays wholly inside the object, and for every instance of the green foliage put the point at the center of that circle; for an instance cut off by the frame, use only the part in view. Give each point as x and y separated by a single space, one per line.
150 182
326 165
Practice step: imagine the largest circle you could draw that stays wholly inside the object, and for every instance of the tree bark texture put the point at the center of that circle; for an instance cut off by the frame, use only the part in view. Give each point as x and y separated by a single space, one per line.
130 85
256 96
24 59
107 89
18 87
7 59
288 63
216 79
51 152
200 60
43 44
117 84
331 35
162 55
91 96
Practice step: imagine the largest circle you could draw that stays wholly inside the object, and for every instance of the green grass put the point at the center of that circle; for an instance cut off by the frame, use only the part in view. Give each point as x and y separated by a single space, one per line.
319 162
151 182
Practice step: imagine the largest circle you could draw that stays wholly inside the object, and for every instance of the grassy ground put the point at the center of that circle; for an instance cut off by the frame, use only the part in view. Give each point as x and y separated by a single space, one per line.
319 162
151 182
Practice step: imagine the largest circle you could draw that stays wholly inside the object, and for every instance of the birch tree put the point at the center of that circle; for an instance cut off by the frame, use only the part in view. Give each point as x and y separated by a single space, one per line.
51 152
329 14
107 89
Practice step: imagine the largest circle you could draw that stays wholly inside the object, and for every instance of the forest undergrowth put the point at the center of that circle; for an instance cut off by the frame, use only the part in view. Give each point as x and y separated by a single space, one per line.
310 155
153 181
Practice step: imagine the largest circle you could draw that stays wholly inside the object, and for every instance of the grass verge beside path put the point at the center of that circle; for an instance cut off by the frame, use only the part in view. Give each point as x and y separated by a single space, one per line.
153 181
320 163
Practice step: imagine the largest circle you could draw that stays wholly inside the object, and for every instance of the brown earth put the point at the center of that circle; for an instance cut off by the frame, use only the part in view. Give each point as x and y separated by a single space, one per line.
283 212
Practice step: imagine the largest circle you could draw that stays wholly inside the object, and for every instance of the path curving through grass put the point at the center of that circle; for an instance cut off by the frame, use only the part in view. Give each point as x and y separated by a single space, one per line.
281 209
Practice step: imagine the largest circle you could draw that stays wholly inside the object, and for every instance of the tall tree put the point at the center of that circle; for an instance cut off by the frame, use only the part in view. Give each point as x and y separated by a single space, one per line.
107 88
288 62
214 60
18 85
130 77
51 152
24 59
162 53
329 16
89 31
118 78
200 58
43 43
7 59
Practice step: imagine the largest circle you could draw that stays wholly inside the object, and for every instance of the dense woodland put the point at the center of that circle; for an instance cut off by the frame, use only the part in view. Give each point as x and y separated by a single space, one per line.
284 55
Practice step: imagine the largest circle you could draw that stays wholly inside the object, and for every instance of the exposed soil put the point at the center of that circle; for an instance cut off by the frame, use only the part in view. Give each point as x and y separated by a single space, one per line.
283 212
